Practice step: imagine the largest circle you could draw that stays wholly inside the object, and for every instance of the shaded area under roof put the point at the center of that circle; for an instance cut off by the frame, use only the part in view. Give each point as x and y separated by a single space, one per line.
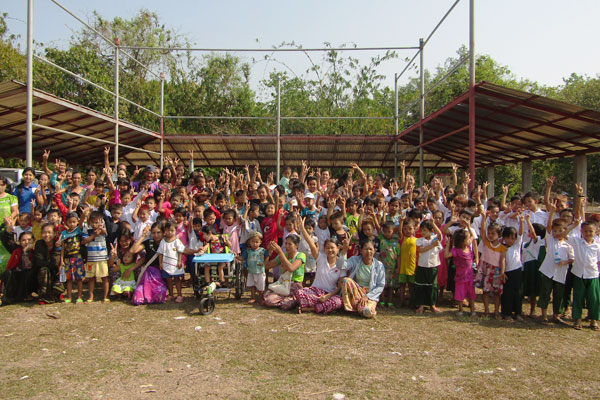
511 126
54 112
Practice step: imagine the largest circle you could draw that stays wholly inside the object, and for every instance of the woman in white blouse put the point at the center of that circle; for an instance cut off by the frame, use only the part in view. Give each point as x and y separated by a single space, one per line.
323 296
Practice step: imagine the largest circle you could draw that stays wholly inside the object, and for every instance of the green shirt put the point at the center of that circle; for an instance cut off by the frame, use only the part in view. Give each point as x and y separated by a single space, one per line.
297 275
363 274
5 206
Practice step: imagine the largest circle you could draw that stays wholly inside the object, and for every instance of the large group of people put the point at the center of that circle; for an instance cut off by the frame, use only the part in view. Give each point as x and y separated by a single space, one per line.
310 241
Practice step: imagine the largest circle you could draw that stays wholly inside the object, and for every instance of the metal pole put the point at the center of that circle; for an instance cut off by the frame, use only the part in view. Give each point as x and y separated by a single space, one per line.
278 129
117 44
421 111
472 93
395 125
29 129
162 120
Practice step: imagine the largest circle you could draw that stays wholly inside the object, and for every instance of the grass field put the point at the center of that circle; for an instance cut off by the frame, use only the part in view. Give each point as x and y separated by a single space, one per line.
117 351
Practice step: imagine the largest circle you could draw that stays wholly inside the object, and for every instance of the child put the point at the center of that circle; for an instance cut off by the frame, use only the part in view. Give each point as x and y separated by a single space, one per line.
215 244
407 262
23 224
310 210
559 254
310 267
71 260
97 256
533 253
464 254
37 222
19 279
231 228
389 251
141 219
492 263
530 202
428 247
512 292
126 282
585 273
249 224
442 275
255 263
169 252
322 231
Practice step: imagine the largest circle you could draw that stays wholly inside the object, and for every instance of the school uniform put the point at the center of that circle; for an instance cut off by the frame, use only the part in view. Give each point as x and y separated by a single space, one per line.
552 276
512 293
586 286
533 253
425 289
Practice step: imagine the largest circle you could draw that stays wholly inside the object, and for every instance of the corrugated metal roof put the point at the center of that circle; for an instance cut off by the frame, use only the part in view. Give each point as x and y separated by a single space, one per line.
54 112
510 126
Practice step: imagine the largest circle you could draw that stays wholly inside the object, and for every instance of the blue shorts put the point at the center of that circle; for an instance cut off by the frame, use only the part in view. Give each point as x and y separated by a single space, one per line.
166 275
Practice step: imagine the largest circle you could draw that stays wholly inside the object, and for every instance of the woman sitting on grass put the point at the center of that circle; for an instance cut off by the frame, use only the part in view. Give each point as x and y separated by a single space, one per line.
323 296
365 281
290 261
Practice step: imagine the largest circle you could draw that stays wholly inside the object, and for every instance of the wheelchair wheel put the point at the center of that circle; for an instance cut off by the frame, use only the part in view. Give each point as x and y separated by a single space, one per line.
239 280
207 305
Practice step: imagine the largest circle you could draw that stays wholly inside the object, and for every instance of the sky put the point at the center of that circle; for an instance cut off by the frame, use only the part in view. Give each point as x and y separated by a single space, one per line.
542 40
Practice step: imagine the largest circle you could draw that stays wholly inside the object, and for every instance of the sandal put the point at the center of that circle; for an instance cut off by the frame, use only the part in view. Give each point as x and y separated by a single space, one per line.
79 301
390 305
179 299
595 327
67 301
107 300
577 327
89 301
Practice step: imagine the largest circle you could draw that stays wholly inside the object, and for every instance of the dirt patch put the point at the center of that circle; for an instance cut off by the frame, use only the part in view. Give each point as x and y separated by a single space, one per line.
119 351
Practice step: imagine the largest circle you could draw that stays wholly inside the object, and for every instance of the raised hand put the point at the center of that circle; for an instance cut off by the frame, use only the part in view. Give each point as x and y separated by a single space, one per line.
46 155
106 151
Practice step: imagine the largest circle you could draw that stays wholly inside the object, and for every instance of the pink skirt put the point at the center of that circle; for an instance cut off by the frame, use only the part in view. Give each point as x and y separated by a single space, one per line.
309 297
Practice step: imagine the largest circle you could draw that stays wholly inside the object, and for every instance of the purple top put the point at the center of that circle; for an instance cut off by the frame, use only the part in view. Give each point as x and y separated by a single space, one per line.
464 265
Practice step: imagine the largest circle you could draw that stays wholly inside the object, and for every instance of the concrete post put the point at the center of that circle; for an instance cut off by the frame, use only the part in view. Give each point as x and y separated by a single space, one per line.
489 171
580 169
527 176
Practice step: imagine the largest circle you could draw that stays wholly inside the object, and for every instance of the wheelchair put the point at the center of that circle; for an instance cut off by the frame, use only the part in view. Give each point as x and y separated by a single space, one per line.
207 292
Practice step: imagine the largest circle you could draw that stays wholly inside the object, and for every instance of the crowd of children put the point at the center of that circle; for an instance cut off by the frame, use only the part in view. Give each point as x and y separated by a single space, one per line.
430 239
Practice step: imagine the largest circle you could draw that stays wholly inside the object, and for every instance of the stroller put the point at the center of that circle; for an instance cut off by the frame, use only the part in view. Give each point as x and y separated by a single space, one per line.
207 292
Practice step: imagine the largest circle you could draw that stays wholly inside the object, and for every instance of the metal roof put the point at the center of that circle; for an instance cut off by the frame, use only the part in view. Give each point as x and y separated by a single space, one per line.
331 151
56 113
511 126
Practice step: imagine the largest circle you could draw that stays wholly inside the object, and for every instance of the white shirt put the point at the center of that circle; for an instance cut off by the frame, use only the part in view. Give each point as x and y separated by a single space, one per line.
138 229
326 278
554 248
431 257
539 217
507 221
170 251
247 227
322 236
303 247
531 249
587 256
513 255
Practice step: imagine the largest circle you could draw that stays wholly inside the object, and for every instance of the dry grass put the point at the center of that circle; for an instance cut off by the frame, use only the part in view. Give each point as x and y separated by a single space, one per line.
120 351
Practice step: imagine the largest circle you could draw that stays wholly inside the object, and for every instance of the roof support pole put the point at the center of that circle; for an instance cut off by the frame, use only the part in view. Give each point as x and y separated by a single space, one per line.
472 93
395 125
162 120
116 77
580 169
29 129
278 129
526 176
421 111
490 176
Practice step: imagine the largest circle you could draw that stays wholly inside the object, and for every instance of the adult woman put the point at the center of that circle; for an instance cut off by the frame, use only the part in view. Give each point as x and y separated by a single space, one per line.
165 182
290 261
322 296
18 280
75 187
151 287
90 177
365 281
45 266
25 191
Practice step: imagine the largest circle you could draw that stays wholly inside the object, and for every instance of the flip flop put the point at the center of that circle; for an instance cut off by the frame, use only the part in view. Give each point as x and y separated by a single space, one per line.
595 327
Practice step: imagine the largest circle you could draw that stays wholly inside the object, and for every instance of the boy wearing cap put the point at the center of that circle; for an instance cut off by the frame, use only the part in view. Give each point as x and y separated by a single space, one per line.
310 210
254 258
